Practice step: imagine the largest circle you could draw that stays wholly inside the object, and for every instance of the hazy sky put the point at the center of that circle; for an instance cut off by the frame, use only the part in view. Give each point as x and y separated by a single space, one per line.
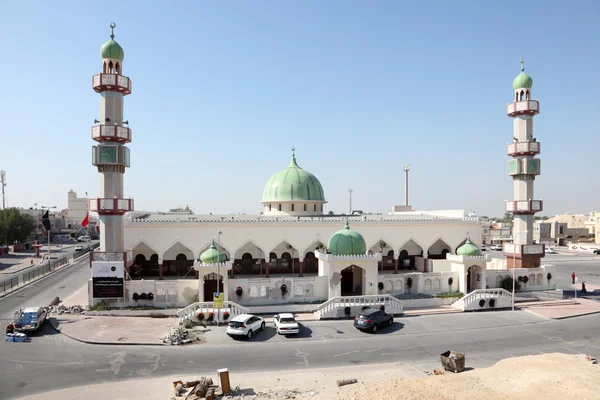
223 90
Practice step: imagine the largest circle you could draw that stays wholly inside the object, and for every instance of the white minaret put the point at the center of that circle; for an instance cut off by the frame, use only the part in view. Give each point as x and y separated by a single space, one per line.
523 168
111 156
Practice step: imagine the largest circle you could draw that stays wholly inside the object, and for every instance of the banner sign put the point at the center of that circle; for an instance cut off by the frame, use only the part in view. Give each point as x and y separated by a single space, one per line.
107 279
218 299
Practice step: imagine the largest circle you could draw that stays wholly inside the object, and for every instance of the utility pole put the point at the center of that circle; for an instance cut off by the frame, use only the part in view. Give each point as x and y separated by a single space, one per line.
3 183
406 168
350 210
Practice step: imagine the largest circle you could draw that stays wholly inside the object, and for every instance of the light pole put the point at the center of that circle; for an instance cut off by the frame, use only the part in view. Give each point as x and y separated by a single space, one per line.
218 273
514 267
350 210
406 168
48 207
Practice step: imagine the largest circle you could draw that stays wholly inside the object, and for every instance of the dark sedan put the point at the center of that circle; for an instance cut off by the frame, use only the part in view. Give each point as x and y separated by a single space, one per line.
372 319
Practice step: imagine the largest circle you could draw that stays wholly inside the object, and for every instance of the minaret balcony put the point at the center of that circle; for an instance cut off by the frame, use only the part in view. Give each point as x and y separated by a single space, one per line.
112 82
523 250
111 133
107 206
527 107
523 206
523 148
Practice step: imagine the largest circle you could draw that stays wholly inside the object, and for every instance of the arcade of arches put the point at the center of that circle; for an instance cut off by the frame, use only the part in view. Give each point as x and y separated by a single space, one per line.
178 261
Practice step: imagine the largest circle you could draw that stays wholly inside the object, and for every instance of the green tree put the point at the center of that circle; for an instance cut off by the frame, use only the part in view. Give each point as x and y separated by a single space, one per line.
15 226
508 218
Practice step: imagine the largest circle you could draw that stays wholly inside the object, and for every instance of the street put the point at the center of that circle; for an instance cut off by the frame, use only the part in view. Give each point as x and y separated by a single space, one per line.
52 361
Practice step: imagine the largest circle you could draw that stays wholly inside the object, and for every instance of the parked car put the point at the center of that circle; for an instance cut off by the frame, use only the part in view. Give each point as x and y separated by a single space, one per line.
483 248
597 251
78 248
84 239
497 247
30 318
245 325
550 250
286 324
371 319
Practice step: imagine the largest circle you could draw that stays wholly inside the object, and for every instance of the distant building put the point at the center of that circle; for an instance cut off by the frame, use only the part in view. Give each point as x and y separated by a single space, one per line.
562 229
77 208
496 232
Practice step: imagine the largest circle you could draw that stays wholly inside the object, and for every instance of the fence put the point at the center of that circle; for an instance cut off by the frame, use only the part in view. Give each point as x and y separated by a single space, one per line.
34 273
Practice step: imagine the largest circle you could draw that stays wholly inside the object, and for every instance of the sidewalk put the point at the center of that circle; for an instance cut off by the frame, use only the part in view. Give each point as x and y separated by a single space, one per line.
562 309
16 262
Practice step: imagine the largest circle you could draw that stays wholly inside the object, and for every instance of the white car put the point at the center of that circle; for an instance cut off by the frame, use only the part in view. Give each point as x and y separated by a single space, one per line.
550 250
30 318
286 324
245 325
78 248
496 247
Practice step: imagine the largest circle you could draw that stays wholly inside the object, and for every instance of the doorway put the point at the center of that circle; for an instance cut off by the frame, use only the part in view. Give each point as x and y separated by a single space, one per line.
352 278
210 286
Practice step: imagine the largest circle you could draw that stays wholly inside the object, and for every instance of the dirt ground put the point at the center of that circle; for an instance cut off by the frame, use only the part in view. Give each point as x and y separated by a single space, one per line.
547 377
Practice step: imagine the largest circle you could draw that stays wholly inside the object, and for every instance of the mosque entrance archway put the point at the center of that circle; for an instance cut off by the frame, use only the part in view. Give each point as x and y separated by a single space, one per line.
210 286
352 281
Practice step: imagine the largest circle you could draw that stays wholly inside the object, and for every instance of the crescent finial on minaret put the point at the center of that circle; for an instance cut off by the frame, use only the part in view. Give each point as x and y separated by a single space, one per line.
293 151
112 30
522 61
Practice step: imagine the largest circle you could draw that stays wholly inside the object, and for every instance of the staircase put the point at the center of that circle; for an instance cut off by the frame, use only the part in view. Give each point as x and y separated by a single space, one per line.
470 302
335 307
190 312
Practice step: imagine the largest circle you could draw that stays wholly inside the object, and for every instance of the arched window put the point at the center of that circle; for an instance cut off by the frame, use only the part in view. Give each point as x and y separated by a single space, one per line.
272 256
104 68
522 95
117 69
516 96
315 207
110 67
391 253
527 94
279 207
292 207
305 207
269 207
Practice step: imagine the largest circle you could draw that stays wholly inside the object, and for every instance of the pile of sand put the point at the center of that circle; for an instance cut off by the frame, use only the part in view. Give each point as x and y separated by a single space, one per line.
548 376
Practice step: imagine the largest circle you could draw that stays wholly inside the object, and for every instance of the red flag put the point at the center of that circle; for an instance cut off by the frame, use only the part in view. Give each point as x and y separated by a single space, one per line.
85 220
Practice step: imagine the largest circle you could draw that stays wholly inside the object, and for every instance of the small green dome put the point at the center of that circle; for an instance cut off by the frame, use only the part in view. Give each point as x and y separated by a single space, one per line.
522 81
212 255
112 49
347 242
468 249
293 184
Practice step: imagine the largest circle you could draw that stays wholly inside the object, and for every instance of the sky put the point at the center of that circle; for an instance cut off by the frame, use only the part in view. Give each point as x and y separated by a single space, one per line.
223 90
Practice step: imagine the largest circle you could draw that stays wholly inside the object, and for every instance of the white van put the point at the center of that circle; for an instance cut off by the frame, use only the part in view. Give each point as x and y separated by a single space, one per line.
84 238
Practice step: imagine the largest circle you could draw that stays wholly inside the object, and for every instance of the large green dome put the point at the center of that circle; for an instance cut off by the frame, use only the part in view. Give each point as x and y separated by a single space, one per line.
522 81
347 242
293 184
468 249
112 49
212 255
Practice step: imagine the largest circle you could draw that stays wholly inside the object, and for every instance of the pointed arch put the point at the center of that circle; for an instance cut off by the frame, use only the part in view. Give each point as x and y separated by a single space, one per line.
284 246
315 245
407 254
438 249
375 246
224 249
285 264
249 247
143 248
176 248
411 245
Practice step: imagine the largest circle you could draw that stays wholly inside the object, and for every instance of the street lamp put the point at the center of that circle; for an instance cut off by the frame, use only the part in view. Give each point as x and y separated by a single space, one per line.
48 207
513 268
218 273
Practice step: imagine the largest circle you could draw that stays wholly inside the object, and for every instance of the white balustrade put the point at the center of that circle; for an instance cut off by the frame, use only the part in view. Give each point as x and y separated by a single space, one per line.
470 301
191 312
331 306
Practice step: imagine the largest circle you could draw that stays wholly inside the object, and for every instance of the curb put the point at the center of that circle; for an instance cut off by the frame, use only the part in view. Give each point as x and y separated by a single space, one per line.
75 260
58 330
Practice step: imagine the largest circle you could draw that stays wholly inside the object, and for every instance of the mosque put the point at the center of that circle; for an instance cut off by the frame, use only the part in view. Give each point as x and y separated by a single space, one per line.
294 250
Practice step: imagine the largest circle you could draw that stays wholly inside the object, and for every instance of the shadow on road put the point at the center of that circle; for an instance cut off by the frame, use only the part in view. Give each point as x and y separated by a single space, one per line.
305 333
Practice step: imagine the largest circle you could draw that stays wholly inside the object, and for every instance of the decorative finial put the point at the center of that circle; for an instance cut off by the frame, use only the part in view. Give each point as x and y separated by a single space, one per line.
522 61
112 30
347 225
293 151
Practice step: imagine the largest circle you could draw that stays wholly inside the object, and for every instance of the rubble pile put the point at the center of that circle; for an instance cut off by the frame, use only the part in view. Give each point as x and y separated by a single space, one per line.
282 394
60 309
180 335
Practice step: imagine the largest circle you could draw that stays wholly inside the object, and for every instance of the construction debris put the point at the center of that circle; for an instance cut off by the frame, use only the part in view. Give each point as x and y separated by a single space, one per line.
60 309
592 359
180 335
344 382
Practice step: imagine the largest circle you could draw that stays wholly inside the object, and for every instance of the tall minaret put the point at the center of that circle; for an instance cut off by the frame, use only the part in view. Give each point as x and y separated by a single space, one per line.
523 168
111 156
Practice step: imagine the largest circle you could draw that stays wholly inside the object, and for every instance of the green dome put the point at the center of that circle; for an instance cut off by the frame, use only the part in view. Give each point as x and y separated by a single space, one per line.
112 49
347 242
212 255
522 81
468 249
293 184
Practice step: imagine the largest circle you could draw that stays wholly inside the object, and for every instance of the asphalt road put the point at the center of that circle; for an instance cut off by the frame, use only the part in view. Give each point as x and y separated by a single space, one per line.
51 361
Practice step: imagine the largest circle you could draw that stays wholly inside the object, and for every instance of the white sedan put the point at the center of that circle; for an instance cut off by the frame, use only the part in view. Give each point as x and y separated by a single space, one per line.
286 324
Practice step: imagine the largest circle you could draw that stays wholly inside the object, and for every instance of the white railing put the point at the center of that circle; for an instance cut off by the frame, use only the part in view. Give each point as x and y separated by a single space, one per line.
190 312
330 308
502 298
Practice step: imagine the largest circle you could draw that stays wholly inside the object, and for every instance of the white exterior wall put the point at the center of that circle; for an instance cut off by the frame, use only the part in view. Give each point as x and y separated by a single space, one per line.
537 277
266 291
265 234
77 208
